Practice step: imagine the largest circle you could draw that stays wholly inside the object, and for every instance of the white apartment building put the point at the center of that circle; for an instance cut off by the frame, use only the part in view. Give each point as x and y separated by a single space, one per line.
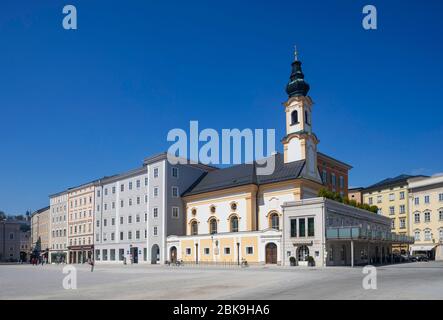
135 211
121 218
58 227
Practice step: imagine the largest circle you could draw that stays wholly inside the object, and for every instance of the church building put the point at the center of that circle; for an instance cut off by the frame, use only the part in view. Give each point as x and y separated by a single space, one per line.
235 214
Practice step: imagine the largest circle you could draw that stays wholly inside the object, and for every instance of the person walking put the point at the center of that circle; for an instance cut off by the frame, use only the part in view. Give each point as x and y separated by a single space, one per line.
91 262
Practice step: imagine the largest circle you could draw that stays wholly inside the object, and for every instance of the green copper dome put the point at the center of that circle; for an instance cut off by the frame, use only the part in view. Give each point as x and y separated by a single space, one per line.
297 85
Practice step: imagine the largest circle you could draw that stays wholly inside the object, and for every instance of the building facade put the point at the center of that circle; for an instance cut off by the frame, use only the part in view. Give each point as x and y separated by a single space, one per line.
10 241
356 194
391 196
81 204
335 234
426 215
137 210
334 174
58 242
166 211
40 232
121 218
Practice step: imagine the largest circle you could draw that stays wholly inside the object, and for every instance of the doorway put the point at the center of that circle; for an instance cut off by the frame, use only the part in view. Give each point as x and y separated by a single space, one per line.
134 254
155 254
271 253
173 255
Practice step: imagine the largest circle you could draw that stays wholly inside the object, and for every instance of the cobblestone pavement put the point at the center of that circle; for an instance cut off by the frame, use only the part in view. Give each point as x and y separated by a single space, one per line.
420 280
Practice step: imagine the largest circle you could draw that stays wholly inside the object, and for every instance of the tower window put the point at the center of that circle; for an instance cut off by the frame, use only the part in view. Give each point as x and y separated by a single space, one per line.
294 117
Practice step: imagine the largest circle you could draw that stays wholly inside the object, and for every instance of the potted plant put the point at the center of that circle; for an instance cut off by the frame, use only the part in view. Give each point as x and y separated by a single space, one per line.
311 261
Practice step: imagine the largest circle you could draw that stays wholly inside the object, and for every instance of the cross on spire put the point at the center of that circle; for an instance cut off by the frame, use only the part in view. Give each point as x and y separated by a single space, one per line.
295 53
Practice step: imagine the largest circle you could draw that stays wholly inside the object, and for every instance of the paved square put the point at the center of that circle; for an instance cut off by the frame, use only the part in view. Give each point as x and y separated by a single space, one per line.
421 280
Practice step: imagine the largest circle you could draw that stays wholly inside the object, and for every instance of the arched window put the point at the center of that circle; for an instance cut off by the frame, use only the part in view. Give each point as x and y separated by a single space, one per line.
274 221
294 117
213 226
234 224
194 228
417 235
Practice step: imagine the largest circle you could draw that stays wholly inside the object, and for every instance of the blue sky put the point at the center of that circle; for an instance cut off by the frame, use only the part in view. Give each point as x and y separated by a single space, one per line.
77 105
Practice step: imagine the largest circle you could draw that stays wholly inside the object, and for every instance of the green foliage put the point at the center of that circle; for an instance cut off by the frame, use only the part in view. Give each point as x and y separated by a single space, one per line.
2 216
311 261
325 193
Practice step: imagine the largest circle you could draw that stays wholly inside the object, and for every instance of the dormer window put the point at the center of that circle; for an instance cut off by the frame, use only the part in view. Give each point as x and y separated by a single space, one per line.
294 117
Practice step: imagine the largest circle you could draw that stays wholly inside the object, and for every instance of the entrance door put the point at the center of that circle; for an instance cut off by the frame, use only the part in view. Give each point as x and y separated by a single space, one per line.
173 255
271 253
134 255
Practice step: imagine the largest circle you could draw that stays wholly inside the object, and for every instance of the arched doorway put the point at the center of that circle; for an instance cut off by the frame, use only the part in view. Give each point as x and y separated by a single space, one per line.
155 254
271 253
303 253
173 255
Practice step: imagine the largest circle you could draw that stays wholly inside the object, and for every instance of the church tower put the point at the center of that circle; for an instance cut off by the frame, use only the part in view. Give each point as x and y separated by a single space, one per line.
300 143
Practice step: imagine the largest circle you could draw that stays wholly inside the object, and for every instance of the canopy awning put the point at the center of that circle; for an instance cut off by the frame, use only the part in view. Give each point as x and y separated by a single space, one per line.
422 247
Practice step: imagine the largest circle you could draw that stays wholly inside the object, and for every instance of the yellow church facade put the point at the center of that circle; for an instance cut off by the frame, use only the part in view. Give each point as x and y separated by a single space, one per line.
237 224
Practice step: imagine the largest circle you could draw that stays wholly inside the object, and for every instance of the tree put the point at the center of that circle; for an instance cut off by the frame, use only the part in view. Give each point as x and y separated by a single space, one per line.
2 216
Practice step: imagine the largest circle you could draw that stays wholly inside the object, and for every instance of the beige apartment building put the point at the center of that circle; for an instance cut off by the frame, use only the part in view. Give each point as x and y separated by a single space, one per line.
426 215
80 222
391 197
40 230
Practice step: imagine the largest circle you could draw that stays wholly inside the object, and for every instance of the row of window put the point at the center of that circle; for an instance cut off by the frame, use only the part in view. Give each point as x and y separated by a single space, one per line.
427 216
402 223
226 251
80 202
58 246
330 178
174 173
295 120
122 187
59 219
103 255
80 241
427 235
79 215
122 203
402 209
299 229
63 208
59 233
129 235
391 197
274 223
427 199
79 229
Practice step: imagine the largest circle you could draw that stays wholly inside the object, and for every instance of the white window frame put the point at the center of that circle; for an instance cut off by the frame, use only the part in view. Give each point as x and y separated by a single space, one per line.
178 212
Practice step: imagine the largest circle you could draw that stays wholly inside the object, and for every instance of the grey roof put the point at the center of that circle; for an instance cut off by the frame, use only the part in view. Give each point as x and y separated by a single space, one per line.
389 182
244 174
